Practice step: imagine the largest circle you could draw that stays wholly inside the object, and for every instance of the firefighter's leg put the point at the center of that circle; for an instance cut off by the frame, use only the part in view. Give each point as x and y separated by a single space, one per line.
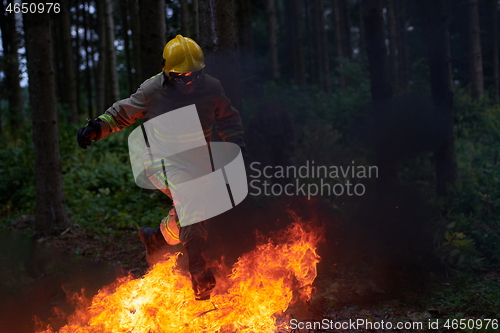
153 239
194 237
154 242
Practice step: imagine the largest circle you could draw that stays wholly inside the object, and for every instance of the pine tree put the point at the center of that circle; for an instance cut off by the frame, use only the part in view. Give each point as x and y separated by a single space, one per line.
50 204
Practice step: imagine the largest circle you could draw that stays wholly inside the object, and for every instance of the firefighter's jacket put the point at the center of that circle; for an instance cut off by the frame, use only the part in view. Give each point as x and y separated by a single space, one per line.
157 96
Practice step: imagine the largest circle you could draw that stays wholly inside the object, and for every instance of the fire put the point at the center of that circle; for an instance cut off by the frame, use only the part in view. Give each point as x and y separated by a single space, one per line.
261 286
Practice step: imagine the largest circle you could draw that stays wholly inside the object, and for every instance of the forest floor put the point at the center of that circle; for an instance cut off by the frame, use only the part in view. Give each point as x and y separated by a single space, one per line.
354 281
340 298
123 248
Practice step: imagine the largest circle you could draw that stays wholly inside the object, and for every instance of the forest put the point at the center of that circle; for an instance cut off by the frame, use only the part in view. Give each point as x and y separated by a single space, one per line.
407 89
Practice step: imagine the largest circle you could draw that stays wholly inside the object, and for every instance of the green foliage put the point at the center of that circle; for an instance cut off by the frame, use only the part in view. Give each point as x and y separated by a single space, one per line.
99 188
339 109
470 229
321 121
101 193
17 178
470 296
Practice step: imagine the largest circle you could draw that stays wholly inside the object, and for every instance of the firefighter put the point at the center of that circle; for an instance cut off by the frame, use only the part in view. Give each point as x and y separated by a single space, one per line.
182 82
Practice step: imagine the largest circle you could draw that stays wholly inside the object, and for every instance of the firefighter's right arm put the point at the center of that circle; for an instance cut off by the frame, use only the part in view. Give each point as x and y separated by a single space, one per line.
123 113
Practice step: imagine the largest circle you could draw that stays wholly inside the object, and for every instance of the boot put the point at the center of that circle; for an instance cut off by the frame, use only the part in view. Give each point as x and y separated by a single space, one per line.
201 277
154 242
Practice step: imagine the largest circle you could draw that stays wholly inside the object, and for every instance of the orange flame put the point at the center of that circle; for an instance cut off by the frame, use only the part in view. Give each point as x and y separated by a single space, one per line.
259 290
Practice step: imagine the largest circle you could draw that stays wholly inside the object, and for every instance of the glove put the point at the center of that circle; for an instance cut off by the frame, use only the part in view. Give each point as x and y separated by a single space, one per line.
86 134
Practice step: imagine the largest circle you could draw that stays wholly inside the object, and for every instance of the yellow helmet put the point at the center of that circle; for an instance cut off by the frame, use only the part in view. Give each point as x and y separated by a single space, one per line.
182 55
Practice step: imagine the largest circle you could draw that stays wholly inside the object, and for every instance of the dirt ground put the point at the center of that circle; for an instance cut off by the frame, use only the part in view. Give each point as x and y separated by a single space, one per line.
123 248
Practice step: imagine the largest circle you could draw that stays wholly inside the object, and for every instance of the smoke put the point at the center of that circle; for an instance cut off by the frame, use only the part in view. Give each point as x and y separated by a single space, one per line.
401 127
382 241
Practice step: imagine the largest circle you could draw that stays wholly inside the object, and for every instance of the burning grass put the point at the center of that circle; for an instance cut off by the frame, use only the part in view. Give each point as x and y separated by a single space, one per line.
255 295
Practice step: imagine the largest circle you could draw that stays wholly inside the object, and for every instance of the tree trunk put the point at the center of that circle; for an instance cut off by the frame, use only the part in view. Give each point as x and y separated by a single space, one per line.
77 53
380 87
217 24
60 85
393 45
376 50
361 45
346 29
273 39
101 66
207 32
442 94
126 39
163 23
96 69
318 55
111 73
196 23
152 27
246 31
136 41
228 51
309 43
68 65
88 73
403 57
185 19
494 37
246 47
474 50
289 63
322 47
293 43
299 35
337 24
50 206
12 87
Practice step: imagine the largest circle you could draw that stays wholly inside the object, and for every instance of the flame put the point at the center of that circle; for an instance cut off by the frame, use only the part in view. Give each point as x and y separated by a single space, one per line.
259 289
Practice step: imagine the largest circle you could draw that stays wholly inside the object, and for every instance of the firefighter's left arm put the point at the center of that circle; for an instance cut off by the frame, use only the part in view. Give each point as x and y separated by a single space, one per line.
228 122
